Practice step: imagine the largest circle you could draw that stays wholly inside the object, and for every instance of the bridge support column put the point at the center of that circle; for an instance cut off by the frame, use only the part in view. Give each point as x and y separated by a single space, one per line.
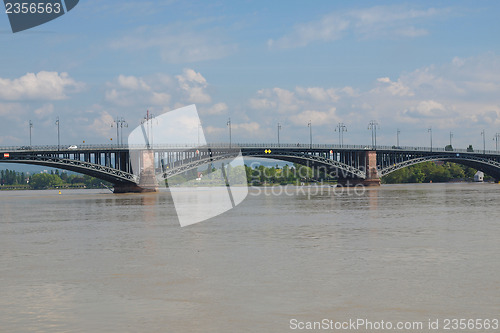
147 176
372 178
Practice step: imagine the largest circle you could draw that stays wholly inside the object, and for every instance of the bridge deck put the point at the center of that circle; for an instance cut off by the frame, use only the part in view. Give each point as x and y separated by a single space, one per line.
183 147
124 164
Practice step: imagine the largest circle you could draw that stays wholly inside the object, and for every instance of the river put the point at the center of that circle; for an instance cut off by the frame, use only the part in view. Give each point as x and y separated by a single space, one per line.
93 261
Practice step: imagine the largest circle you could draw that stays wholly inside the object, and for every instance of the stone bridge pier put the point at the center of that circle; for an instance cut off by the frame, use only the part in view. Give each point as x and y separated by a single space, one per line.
147 176
372 176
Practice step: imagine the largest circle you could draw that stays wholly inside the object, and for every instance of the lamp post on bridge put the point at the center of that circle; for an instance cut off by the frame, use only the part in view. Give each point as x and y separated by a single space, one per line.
309 124
148 135
229 125
483 133
58 135
429 130
451 137
496 138
341 127
120 123
373 126
123 123
279 128
31 126
397 137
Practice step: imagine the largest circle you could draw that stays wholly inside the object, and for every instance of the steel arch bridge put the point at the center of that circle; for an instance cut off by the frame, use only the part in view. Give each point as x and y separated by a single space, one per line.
348 163
390 161
106 163
117 164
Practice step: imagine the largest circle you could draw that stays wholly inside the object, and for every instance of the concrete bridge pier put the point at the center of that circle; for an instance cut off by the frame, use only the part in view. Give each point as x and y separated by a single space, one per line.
372 178
147 176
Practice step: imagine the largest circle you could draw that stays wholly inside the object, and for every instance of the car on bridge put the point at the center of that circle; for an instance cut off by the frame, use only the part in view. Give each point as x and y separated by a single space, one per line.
72 147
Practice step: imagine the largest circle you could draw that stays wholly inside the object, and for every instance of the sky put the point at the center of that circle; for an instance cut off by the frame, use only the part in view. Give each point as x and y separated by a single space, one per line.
409 66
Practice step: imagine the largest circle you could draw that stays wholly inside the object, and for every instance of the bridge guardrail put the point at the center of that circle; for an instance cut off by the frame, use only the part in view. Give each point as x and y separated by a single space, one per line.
87 147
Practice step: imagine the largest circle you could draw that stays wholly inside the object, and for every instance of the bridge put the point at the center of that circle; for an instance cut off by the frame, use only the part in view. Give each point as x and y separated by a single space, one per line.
138 168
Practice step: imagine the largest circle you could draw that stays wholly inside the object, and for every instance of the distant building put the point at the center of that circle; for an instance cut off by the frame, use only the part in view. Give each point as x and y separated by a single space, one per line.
479 176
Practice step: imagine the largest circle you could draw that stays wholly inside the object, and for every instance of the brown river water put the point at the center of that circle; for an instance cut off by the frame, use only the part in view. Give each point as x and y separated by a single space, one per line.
93 261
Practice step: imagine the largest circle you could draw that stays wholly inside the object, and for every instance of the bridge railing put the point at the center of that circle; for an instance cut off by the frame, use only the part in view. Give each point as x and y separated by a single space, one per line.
91 147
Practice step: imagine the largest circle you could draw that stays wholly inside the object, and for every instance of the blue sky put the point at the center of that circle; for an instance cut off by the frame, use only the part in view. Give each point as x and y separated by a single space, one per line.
410 66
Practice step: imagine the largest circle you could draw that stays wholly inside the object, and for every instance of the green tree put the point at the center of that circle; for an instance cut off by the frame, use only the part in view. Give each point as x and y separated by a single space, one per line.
44 180
302 171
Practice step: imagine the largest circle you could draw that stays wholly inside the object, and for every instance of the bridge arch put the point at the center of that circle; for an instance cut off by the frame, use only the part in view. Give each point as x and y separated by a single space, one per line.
311 160
102 172
488 166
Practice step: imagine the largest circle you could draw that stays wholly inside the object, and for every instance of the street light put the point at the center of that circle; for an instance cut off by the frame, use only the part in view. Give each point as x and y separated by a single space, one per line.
279 128
120 123
483 133
430 132
496 138
397 137
149 128
309 124
373 126
31 126
229 125
451 137
58 135
123 123
341 127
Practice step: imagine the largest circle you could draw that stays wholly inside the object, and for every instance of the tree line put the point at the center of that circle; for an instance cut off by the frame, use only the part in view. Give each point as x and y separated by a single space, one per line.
54 179
258 175
427 172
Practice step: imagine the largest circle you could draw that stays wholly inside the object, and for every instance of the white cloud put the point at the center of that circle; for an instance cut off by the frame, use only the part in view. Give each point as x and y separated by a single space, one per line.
251 127
101 125
289 103
276 99
40 86
176 43
159 98
460 94
318 94
317 118
131 96
132 83
44 111
212 130
132 90
428 109
328 28
216 109
194 86
374 22
394 88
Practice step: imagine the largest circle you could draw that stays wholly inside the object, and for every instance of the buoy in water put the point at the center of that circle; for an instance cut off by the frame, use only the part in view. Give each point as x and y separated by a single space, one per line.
59 192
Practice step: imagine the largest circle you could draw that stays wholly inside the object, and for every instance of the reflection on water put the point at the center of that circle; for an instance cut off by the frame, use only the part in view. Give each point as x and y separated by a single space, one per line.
93 261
